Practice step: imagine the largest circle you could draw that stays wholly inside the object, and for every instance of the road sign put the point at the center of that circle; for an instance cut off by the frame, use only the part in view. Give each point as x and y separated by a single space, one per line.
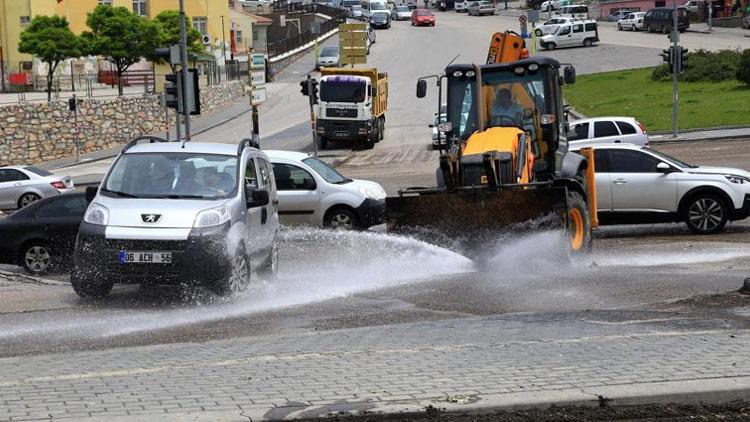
353 43
259 95
259 77
282 21
258 61
522 19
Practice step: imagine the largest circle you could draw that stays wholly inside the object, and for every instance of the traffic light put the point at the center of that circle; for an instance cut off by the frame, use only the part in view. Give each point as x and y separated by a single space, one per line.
314 90
173 91
683 59
304 88
170 54
666 55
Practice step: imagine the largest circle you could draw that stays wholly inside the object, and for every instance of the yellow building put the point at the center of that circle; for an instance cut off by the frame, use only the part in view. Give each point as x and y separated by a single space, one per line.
210 17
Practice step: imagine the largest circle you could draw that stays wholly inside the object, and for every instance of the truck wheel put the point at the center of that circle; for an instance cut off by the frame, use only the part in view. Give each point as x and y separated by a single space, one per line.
579 225
86 288
322 142
381 129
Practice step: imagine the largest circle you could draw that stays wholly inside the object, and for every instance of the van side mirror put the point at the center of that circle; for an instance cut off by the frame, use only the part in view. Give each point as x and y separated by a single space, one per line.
570 75
421 88
256 197
663 168
91 192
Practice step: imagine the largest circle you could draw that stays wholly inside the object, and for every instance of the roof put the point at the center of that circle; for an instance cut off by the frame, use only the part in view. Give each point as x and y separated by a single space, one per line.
258 19
286 155
597 119
583 143
190 148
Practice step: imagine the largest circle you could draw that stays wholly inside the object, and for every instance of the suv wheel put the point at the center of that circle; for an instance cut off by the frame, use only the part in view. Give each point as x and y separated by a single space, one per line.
706 214
28 198
665 30
649 29
341 219
86 288
36 258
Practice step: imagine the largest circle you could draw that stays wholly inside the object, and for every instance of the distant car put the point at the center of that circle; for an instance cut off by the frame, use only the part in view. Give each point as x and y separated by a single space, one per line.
462 5
637 185
437 133
573 34
615 16
481 8
312 193
401 13
548 5
380 20
422 17
660 20
329 57
693 6
632 21
22 185
550 26
42 236
616 130
355 12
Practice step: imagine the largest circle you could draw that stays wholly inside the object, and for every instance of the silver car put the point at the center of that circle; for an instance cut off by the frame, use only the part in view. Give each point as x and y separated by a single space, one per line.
481 8
22 185
401 13
328 57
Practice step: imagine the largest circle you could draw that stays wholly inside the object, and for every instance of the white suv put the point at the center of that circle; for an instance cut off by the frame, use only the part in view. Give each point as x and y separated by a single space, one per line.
611 130
313 193
636 184
167 214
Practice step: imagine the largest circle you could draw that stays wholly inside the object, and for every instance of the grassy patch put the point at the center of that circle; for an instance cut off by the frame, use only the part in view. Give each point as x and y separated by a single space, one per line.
634 93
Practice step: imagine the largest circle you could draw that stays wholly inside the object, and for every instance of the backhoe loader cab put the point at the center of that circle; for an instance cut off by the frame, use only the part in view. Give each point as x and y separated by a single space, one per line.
507 166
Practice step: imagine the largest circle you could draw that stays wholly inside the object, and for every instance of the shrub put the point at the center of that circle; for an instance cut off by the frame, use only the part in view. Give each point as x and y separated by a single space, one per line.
704 66
743 70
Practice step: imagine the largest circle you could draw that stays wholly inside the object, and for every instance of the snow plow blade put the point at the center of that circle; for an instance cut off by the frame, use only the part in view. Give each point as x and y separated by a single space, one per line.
471 220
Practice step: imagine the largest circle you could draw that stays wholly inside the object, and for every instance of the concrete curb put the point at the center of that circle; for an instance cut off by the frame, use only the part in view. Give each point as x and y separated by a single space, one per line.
712 391
29 279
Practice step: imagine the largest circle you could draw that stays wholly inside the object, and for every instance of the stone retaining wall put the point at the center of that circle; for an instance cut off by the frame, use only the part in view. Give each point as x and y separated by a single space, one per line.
37 132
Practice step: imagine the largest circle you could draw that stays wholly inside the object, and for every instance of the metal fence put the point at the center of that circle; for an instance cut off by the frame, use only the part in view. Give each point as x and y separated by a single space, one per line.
337 15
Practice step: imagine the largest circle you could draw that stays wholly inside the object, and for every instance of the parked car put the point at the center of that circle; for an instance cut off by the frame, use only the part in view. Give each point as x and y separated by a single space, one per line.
616 130
481 8
575 11
201 213
380 20
693 6
411 4
533 4
401 13
549 5
637 184
313 193
573 34
22 185
616 15
420 17
660 19
462 5
328 56
355 12
369 8
551 26
632 21
438 137
42 236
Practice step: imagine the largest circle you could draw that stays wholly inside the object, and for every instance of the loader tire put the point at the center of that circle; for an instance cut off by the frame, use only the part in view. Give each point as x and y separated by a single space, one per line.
579 224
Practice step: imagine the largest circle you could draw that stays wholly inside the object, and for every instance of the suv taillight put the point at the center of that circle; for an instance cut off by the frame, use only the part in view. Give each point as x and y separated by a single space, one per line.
58 185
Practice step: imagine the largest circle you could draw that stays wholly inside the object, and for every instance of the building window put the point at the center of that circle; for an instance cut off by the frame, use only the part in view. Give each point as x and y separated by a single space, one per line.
200 24
238 36
140 7
106 2
25 20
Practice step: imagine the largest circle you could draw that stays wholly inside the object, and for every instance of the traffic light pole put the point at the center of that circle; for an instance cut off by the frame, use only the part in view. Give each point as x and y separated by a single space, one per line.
184 74
675 67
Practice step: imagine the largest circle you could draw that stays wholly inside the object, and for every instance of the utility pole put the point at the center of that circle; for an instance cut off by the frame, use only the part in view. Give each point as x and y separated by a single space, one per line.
675 67
223 41
710 14
184 70
311 97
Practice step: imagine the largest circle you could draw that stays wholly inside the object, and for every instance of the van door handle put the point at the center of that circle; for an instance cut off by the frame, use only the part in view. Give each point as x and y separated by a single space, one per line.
620 181
617 141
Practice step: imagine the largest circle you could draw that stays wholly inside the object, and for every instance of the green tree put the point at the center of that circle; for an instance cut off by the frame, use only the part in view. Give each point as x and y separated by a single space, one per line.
120 36
50 39
168 22
743 69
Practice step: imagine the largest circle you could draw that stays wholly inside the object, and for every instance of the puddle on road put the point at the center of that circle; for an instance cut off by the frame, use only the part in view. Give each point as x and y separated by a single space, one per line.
685 256
316 265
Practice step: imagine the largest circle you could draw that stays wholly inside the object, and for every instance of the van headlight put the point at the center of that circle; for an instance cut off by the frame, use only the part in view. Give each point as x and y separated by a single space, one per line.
212 217
740 180
97 214
374 192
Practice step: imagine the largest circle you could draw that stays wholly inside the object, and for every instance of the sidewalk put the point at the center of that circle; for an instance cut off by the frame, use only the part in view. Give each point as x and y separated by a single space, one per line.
702 135
469 364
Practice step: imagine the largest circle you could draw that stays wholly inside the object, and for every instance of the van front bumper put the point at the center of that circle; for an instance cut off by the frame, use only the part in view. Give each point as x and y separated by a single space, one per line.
200 259
371 212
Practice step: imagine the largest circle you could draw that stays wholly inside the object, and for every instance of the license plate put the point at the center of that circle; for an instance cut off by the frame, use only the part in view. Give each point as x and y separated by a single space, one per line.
144 257
341 134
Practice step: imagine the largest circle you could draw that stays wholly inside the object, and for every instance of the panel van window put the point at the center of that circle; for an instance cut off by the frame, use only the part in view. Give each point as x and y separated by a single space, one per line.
590 27
578 28
564 30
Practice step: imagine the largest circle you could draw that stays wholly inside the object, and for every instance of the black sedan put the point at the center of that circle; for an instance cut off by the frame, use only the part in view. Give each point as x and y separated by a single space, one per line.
380 20
42 235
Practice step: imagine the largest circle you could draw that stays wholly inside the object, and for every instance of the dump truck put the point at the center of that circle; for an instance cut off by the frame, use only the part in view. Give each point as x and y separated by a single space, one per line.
507 169
352 105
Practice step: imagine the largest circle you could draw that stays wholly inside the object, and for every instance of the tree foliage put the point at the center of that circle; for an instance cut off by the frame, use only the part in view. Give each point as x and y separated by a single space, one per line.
168 22
743 69
50 39
120 36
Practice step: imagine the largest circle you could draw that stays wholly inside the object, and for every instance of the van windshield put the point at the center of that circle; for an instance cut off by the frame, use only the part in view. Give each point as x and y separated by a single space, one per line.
377 6
172 176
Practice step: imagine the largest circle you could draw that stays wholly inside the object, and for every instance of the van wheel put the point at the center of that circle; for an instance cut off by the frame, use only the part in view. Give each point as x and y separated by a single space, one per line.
538 32
86 288
237 277
587 42
619 27
550 46
341 219
270 266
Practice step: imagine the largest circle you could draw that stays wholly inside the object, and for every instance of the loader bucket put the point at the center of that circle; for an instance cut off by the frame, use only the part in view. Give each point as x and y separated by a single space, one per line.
471 221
